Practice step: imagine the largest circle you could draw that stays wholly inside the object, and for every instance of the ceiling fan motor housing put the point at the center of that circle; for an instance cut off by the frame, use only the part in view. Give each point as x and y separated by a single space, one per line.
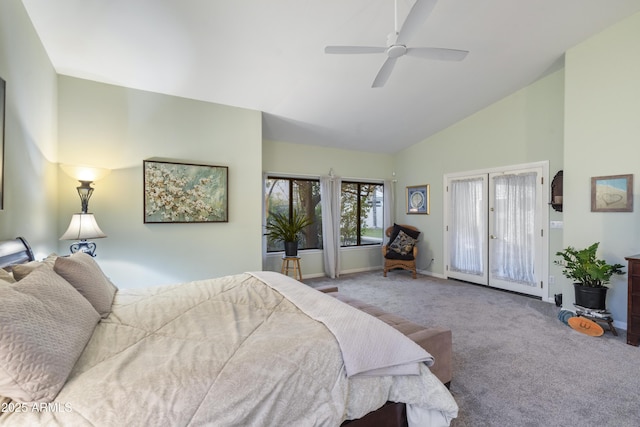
396 51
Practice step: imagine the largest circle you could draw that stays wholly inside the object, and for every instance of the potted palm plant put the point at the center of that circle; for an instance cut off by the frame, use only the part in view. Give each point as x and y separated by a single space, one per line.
590 275
281 228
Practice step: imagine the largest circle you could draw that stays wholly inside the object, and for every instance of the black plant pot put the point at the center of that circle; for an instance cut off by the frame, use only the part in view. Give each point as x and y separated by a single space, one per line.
291 248
586 296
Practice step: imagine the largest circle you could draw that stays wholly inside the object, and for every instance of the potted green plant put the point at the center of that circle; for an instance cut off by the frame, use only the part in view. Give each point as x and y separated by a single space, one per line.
281 228
590 275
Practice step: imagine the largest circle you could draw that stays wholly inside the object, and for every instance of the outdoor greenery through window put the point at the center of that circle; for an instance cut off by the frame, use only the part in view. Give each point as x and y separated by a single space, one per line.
286 195
361 221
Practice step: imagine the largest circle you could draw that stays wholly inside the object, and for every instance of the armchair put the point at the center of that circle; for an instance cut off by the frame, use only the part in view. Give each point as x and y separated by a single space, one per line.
401 250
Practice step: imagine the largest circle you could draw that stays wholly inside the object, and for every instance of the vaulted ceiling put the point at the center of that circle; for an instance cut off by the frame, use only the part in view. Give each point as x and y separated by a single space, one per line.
268 55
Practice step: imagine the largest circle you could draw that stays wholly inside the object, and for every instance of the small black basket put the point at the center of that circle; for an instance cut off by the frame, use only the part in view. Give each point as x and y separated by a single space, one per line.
558 299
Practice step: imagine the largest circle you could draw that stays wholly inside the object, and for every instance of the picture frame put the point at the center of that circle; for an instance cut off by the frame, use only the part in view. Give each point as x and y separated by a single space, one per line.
179 192
418 199
612 193
3 90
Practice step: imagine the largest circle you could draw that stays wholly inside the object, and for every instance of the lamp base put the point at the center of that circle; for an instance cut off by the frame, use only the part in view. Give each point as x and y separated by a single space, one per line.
88 248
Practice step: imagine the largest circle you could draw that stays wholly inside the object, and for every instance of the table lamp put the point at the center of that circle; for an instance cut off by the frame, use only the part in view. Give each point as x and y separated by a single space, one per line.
83 225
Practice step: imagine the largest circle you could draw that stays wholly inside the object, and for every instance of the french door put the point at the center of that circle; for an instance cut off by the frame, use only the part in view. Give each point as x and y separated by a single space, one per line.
468 228
495 231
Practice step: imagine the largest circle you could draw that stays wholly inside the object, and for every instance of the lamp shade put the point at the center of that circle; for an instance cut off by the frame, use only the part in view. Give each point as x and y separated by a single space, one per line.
85 173
83 226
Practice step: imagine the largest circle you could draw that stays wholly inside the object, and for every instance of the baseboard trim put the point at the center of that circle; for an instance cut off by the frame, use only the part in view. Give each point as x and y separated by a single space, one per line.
313 276
360 270
431 273
355 270
620 325
365 269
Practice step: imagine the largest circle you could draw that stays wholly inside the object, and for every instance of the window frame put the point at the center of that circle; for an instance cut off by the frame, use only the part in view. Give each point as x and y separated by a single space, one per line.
290 179
359 243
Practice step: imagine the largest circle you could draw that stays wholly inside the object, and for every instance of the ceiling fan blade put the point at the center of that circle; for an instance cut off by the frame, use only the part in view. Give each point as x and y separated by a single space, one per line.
385 72
437 53
353 49
416 17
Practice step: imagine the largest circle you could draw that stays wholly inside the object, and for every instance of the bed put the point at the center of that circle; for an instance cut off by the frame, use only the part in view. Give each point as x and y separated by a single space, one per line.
253 349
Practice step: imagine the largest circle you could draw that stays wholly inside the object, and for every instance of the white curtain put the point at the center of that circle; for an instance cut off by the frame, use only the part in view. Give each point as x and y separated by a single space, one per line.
388 202
468 229
330 201
513 256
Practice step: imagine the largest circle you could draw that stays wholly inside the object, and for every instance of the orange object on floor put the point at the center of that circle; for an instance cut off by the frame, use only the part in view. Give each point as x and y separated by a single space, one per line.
586 326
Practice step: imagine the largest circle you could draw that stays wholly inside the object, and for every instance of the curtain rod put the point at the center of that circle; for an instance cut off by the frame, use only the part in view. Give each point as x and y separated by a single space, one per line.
344 178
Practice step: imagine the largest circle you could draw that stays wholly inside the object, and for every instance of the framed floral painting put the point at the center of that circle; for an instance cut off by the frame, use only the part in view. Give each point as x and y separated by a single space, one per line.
185 192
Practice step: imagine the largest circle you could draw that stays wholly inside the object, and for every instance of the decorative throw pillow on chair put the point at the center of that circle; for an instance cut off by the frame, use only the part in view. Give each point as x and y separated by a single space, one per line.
396 230
403 243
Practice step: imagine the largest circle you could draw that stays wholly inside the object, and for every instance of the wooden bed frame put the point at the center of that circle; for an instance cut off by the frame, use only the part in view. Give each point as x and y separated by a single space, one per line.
18 251
392 414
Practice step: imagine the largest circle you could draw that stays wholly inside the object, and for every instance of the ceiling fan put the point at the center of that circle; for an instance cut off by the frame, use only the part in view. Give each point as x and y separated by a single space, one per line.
398 40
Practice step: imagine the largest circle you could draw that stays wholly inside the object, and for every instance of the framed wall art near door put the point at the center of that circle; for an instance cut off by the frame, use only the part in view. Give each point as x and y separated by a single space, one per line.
3 88
418 199
185 192
612 193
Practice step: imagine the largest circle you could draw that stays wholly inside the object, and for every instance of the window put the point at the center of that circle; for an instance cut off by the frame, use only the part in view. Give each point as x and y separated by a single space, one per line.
286 195
361 220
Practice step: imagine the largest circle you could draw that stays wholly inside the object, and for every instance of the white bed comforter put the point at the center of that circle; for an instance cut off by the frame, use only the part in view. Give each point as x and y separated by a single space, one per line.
231 351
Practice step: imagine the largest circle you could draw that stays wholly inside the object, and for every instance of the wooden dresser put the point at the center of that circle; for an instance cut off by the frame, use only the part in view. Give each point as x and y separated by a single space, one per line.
633 300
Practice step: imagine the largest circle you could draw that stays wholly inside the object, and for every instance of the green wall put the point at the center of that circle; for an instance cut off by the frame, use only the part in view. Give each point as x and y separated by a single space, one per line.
117 128
602 137
524 127
30 134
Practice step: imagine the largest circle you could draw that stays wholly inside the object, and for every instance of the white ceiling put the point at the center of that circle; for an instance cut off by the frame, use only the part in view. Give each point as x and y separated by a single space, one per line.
269 56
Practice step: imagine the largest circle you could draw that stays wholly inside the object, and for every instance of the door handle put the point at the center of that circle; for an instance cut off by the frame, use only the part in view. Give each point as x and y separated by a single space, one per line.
492 236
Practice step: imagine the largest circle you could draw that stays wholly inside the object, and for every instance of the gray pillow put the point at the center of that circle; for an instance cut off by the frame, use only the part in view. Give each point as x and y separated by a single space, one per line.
85 275
45 325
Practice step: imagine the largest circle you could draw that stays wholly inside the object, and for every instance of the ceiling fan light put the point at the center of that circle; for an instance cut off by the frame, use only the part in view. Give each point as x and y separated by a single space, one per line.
396 51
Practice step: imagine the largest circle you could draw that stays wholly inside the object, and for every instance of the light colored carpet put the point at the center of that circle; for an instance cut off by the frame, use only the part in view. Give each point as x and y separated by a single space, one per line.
514 362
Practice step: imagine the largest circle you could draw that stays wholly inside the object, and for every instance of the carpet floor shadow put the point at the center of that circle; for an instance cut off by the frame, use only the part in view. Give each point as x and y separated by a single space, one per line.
514 362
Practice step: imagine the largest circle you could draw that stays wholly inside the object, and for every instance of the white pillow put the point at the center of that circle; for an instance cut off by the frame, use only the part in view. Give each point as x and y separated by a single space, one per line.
84 273
44 326
7 276
20 271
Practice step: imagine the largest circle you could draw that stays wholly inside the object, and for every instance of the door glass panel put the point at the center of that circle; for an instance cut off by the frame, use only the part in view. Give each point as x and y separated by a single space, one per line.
467 226
515 231
514 244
